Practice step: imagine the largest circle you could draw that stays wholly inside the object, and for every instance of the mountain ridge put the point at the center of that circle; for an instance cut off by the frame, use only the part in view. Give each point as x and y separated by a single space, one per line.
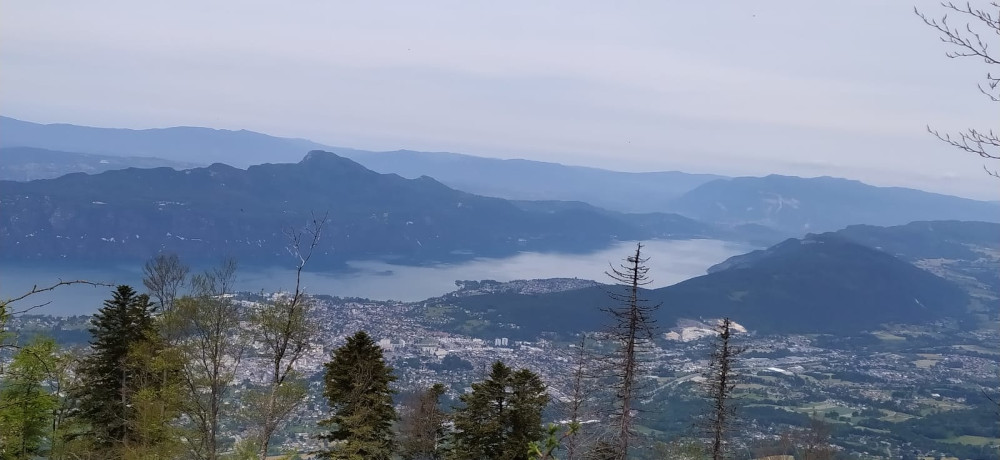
221 210
799 205
191 144
824 284
787 205
30 163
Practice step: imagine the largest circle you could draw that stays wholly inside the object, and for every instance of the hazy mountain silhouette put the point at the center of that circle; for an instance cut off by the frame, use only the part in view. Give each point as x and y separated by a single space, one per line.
29 163
207 213
799 205
184 143
818 284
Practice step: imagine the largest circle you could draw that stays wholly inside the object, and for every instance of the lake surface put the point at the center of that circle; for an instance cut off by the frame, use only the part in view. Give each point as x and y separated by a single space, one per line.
670 262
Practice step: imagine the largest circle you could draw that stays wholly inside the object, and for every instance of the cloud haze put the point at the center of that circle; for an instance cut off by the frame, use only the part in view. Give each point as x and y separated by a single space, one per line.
805 88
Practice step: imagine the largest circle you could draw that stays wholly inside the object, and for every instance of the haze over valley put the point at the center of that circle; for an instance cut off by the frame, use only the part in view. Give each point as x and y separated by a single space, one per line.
499 231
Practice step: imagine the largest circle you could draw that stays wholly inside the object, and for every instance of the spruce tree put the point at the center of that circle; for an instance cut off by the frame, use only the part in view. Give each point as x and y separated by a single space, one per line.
501 417
124 323
357 389
720 382
633 331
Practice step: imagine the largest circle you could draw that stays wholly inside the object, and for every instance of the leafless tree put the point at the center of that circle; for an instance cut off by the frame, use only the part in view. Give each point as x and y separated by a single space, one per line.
577 408
783 446
632 332
814 441
212 348
285 330
720 382
981 26
422 425
163 276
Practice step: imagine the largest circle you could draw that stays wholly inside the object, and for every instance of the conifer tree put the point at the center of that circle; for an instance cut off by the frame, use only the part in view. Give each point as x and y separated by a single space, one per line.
720 382
632 331
502 416
124 323
356 385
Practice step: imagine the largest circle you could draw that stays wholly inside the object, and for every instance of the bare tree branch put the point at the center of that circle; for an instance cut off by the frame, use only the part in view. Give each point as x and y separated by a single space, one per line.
971 41
36 290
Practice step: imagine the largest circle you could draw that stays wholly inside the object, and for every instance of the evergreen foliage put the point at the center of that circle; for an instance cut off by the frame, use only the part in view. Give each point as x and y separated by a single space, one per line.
113 378
356 385
502 416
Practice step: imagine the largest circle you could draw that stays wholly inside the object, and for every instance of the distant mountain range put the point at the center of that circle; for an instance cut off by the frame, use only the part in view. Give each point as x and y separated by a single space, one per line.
916 241
796 205
182 144
536 180
510 179
206 213
29 163
825 283
852 280
967 253
791 206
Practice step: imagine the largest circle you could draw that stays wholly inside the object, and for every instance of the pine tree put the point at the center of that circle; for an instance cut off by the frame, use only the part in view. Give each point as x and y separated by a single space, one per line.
529 397
501 417
720 381
123 324
357 389
633 331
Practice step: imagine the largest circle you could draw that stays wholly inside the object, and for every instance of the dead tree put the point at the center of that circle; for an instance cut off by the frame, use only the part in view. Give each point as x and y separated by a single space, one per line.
578 395
632 332
720 382
814 440
982 25
422 425
285 330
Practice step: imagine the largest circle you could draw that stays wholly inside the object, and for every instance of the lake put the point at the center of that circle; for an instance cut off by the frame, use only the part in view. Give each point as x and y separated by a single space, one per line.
670 261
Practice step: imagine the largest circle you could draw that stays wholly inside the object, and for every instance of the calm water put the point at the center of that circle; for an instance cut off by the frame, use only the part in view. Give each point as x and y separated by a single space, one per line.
670 262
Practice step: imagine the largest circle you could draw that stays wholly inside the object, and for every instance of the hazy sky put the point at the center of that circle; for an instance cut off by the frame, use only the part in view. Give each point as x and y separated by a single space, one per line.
809 88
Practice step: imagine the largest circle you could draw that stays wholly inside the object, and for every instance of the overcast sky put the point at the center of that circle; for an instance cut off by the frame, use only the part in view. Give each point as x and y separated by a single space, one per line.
841 88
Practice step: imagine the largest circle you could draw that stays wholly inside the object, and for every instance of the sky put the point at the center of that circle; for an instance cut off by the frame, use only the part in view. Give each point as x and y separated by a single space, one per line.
842 88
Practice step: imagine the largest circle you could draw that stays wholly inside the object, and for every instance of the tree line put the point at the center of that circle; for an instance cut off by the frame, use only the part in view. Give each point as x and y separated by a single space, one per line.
159 380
